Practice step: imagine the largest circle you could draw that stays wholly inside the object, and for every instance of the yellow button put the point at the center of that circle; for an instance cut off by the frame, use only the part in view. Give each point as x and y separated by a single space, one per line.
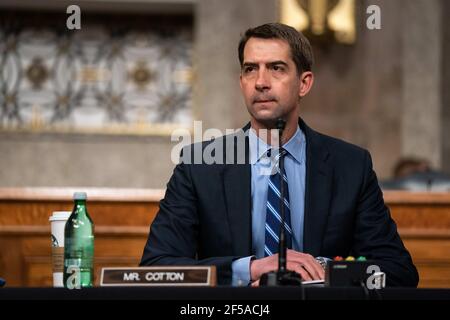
350 258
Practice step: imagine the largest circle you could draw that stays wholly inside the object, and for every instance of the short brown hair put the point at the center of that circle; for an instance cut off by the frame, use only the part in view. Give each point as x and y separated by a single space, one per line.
301 49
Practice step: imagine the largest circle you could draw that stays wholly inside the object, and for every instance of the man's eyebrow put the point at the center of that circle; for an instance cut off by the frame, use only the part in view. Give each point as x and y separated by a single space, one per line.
274 63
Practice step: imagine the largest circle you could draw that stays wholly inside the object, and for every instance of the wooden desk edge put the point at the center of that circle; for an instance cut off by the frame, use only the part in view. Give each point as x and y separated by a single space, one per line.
94 194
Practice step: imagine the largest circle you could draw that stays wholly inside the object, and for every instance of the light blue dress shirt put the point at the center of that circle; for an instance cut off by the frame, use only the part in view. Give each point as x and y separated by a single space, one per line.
295 166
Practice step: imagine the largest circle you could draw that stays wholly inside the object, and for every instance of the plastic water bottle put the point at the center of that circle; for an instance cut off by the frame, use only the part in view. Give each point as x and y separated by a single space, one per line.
79 246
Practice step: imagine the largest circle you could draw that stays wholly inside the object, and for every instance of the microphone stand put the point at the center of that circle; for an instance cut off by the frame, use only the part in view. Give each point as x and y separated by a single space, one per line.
281 277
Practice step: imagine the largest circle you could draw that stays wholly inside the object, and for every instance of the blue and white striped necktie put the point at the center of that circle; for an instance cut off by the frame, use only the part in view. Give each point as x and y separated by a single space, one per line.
273 212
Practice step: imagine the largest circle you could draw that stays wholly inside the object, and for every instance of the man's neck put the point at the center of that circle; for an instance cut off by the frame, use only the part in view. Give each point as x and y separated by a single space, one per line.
263 131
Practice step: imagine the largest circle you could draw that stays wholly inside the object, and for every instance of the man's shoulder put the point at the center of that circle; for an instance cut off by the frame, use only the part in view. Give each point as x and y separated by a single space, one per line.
341 150
349 161
340 145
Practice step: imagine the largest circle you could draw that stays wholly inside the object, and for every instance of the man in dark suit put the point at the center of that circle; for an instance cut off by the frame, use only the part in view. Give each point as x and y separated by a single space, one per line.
226 213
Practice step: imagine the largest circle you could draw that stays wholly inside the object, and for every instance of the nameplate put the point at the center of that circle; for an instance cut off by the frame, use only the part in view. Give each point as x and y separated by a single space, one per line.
159 276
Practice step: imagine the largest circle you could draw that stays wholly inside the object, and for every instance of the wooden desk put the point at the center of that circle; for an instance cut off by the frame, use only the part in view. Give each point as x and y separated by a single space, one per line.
122 218
423 220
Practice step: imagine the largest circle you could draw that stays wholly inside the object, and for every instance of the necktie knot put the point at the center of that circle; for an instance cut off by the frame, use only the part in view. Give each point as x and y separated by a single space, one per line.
277 153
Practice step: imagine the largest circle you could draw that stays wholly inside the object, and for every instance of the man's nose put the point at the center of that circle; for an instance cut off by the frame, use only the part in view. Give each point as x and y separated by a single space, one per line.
262 81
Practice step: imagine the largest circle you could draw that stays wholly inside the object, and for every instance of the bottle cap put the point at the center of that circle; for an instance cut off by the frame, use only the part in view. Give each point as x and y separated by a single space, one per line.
79 196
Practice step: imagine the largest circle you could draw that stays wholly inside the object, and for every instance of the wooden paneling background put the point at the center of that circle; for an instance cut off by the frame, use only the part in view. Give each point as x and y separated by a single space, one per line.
122 218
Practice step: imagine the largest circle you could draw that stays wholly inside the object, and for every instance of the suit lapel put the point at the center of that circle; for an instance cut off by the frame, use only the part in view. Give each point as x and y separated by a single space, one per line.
237 191
318 191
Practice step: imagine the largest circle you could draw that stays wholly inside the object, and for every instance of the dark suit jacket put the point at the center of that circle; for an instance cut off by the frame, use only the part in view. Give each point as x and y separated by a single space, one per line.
205 216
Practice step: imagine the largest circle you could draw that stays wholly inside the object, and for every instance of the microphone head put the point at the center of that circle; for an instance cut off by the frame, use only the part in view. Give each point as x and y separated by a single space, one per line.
281 123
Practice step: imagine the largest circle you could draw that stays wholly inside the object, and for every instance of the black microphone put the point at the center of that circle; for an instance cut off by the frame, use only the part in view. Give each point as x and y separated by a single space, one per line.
282 248
281 277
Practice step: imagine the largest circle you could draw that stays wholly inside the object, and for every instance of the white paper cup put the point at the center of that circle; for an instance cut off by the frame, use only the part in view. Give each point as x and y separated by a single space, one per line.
57 223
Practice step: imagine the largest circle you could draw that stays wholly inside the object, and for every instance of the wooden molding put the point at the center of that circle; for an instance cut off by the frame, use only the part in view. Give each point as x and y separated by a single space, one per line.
109 231
94 194
407 197
155 195
424 233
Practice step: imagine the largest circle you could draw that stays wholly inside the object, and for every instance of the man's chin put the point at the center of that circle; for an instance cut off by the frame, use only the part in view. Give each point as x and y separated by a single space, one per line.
267 117
268 121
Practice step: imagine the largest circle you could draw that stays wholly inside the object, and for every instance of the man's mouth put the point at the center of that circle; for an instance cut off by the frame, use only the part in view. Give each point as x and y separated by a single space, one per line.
263 101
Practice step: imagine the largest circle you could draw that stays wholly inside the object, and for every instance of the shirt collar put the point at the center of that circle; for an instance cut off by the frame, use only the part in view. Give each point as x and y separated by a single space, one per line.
258 147
295 146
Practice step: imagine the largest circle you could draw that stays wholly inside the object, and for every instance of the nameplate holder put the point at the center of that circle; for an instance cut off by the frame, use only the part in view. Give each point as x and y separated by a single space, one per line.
159 276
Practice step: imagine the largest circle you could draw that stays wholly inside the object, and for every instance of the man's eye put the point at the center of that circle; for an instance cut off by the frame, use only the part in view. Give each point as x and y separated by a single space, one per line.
248 69
277 68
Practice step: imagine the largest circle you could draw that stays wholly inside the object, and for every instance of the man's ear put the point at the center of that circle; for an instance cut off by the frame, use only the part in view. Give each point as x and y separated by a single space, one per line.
306 83
240 80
